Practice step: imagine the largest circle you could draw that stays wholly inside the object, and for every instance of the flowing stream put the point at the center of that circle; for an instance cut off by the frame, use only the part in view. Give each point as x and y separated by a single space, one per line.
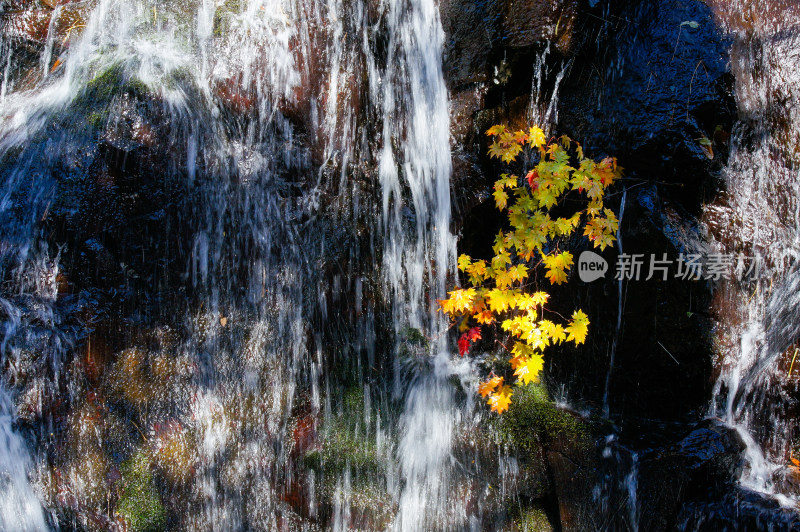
234 311
757 223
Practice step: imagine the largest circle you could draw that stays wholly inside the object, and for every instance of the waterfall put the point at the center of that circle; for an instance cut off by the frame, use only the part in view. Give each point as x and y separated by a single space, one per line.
20 508
757 219
419 251
197 338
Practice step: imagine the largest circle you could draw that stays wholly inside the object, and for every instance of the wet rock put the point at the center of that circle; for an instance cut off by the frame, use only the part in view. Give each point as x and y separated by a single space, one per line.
174 453
702 466
658 84
663 350
562 445
27 29
341 465
526 22
29 25
37 25
533 519
573 482
478 33
711 449
232 94
739 510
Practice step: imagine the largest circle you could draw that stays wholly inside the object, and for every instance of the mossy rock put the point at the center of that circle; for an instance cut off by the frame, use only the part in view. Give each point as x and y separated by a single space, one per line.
353 404
344 444
533 519
139 501
413 343
94 103
114 80
224 14
533 421
348 449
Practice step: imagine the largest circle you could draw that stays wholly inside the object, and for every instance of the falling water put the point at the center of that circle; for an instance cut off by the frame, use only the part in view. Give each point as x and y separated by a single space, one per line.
758 220
20 509
543 106
620 308
228 297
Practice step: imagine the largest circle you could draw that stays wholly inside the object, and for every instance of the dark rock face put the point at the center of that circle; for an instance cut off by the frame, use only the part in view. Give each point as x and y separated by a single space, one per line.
739 510
573 481
692 485
660 83
481 34
645 82
704 464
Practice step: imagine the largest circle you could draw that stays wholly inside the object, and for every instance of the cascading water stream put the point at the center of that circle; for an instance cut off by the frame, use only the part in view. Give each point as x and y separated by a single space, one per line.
224 309
758 220
419 253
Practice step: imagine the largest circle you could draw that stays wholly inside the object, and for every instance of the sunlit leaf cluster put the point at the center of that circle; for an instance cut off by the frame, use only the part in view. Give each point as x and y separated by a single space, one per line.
541 208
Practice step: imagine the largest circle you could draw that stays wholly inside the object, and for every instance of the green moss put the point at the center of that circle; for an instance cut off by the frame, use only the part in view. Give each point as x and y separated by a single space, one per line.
414 337
179 78
92 105
534 420
343 443
353 404
114 80
413 342
533 519
139 502
97 120
223 15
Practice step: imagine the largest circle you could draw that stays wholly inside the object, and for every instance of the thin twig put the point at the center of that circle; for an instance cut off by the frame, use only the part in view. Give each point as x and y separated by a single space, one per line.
791 366
670 354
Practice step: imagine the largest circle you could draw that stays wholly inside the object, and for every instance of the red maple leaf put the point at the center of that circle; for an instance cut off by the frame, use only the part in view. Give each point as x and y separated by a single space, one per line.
533 179
472 335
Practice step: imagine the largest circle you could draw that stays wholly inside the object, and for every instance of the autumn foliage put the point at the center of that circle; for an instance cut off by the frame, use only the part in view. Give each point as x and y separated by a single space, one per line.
504 292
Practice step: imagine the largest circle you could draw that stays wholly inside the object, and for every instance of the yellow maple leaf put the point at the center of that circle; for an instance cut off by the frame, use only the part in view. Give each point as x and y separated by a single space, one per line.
564 226
518 272
554 331
530 369
536 137
511 152
557 266
503 278
603 241
540 298
496 150
496 130
520 137
506 181
557 276
477 271
500 300
485 317
500 198
460 301
546 196
517 361
522 350
578 328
